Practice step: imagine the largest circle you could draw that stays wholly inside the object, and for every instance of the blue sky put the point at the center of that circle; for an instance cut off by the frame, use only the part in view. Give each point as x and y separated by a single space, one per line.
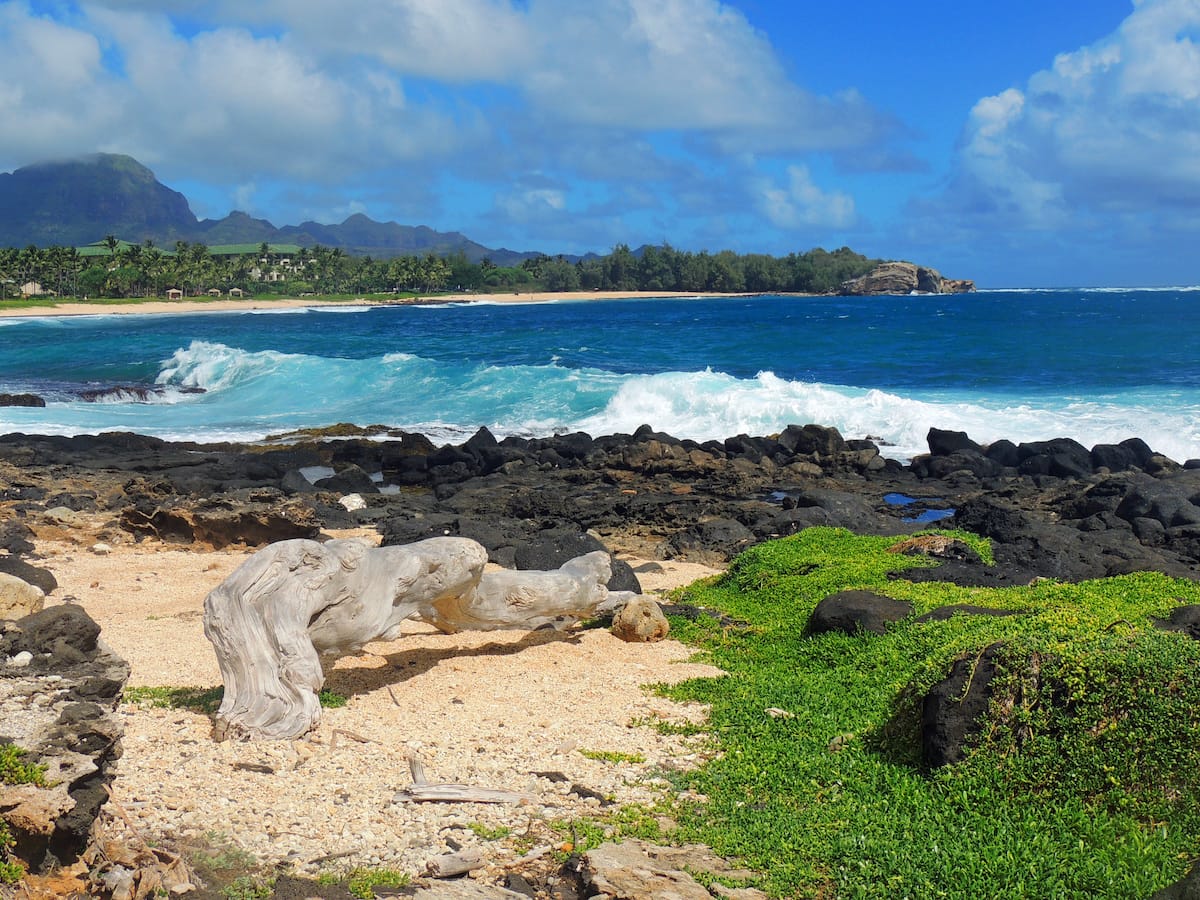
1020 144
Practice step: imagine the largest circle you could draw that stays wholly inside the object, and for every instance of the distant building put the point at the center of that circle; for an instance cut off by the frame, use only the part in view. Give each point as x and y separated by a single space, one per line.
174 294
34 289
236 292
214 292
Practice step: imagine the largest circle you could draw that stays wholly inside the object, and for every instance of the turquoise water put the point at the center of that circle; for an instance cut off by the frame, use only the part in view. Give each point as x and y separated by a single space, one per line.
1096 365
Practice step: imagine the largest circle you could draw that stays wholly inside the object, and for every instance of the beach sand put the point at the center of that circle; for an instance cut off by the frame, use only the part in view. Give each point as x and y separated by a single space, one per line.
199 305
489 709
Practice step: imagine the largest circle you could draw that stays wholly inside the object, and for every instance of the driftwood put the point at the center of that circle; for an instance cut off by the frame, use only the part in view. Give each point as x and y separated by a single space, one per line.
293 603
451 864
423 791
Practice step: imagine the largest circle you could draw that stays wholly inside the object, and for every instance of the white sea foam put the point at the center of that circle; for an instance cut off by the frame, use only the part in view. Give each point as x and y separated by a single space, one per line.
214 367
711 406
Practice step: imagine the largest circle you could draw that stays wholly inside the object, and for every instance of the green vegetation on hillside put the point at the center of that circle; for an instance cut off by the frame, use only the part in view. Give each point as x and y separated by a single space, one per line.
1084 782
118 269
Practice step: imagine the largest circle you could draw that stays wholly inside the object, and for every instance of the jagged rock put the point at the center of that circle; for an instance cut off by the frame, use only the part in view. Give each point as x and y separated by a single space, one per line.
943 443
253 520
21 400
711 541
812 440
1061 457
19 598
853 611
350 480
952 710
39 578
507 493
640 621
61 710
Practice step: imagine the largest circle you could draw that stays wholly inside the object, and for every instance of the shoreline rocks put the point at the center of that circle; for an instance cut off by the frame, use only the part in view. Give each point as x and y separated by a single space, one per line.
59 688
1052 508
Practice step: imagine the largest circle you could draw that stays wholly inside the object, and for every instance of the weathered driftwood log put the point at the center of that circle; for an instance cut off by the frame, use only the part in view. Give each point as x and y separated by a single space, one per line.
292 603
525 599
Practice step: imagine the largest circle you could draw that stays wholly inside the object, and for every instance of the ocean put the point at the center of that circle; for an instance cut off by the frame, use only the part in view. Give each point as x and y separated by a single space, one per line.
1095 365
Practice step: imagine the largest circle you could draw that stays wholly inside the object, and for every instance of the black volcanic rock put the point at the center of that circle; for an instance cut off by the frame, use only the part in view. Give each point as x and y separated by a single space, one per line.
850 612
30 400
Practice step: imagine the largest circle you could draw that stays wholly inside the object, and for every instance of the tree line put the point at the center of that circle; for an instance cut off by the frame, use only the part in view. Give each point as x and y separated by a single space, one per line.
120 269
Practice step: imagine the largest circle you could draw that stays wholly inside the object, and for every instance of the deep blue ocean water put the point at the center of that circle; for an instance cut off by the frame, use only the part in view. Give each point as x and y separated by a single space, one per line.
1095 365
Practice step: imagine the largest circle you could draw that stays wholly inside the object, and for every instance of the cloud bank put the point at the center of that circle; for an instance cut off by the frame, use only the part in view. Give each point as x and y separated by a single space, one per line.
572 126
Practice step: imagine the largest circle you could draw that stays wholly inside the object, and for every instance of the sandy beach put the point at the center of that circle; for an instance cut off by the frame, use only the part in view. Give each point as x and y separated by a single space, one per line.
200 305
491 709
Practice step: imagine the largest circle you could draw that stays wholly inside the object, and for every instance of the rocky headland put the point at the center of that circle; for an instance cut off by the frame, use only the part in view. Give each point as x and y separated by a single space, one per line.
905 278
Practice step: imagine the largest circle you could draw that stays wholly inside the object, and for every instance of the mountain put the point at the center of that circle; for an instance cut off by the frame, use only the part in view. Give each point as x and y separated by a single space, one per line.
77 202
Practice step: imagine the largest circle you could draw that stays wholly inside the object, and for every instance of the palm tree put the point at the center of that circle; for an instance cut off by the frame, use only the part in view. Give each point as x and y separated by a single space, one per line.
31 264
8 269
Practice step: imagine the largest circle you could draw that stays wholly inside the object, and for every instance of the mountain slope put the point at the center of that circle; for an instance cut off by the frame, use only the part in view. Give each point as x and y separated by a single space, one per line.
78 201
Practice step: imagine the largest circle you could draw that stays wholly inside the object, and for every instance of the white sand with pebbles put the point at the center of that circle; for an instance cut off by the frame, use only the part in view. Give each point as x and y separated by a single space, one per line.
486 709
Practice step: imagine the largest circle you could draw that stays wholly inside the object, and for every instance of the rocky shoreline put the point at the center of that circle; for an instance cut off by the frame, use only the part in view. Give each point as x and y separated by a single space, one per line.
1053 509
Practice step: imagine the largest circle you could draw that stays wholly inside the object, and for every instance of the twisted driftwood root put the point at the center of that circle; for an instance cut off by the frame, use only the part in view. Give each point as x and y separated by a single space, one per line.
292 603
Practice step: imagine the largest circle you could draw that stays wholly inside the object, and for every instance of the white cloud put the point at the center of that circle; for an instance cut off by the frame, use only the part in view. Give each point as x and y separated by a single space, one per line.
1108 130
800 203
222 103
534 199
309 105
653 65
55 97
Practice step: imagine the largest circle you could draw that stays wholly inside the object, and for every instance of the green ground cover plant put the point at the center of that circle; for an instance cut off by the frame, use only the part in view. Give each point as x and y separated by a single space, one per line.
1084 781
15 770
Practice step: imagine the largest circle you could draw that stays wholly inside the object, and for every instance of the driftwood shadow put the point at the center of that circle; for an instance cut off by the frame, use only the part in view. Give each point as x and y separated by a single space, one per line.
400 666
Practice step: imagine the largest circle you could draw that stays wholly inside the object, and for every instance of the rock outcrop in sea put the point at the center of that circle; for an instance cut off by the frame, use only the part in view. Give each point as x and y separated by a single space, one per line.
905 278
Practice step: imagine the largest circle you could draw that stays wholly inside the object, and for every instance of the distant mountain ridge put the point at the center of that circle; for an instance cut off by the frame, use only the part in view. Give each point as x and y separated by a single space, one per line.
79 201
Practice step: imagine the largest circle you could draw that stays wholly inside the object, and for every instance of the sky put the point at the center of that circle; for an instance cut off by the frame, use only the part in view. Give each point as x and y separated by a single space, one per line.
1022 144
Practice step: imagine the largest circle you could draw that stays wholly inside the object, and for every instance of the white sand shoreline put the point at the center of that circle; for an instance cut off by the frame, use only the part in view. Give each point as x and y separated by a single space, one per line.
200 305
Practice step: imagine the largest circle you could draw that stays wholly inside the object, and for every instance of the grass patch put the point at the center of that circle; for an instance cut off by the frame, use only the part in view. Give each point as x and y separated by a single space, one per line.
362 882
613 756
196 699
332 699
1084 782
202 700
483 832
